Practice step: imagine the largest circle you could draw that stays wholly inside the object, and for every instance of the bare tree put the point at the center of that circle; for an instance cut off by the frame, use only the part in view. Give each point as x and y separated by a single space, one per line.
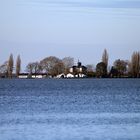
68 62
18 65
29 68
105 57
58 68
135 64
52 65
36 67
33 68
10 66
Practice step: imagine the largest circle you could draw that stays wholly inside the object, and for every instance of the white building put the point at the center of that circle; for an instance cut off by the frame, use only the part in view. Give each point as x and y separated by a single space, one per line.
69 75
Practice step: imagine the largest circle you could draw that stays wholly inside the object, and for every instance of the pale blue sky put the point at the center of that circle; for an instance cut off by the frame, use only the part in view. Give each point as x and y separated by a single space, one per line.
79 28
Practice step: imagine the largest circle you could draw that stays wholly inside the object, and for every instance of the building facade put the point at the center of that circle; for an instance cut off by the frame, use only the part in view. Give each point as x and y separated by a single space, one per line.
79 70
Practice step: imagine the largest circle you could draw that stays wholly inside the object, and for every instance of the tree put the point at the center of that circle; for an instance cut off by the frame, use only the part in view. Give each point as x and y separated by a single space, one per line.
90 72
113 72
101 70
52 65
135 64
120 66
10 66
36 67
4 70
105 58
33 68
29 68
18 65
58 68
67 62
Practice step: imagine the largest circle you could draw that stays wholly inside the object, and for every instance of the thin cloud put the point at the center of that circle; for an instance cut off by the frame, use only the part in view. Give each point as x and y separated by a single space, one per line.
92 4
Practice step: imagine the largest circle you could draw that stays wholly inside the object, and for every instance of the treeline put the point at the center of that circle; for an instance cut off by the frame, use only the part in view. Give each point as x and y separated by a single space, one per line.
53 66
7 68
121 68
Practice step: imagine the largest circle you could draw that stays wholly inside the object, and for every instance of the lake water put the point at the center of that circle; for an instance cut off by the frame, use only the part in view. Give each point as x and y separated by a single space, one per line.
70 109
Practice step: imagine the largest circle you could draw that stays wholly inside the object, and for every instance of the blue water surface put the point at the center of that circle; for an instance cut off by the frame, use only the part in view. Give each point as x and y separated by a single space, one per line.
70 109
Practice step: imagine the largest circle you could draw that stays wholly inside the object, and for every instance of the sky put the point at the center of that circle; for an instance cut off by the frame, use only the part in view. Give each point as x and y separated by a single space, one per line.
82 29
